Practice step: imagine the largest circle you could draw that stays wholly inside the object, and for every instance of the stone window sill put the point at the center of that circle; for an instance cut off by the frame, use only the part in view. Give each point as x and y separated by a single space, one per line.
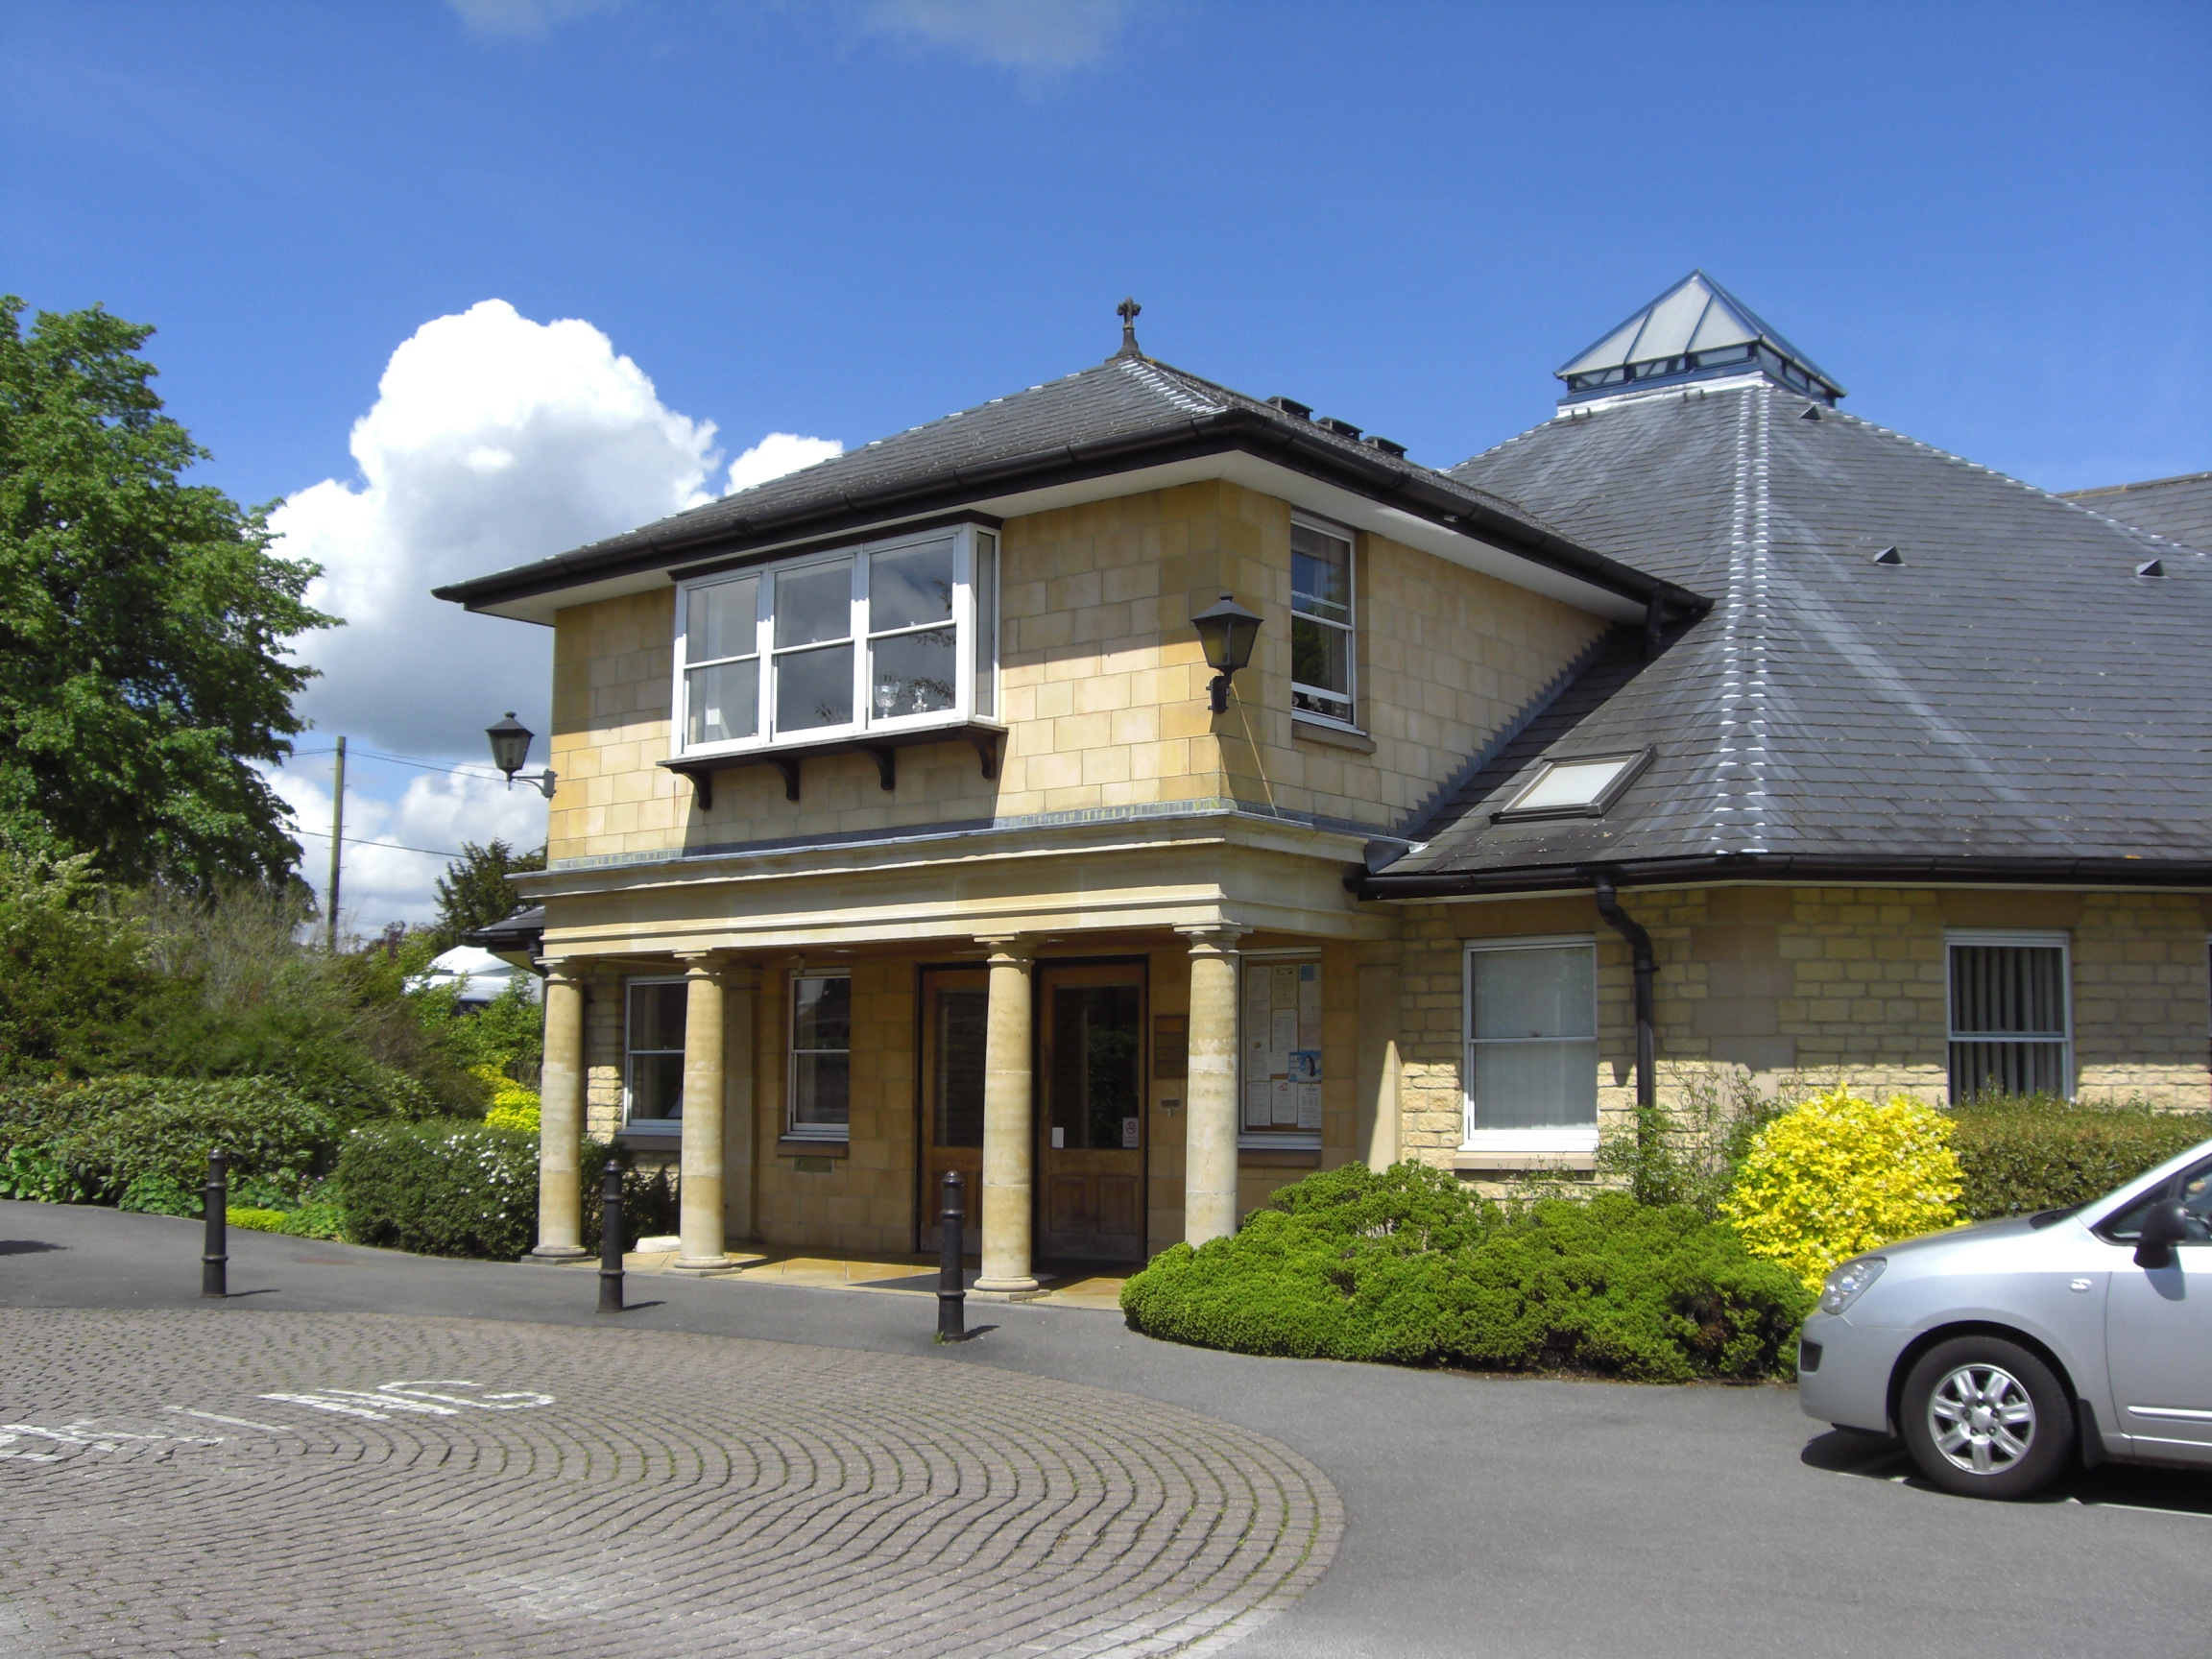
1335 737
1512 1163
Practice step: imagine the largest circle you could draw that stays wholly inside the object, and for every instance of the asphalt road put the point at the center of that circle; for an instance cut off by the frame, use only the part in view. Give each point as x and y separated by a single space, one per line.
1480 1516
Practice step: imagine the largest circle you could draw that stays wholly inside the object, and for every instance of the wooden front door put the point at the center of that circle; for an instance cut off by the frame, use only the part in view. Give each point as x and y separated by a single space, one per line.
955 1012
1091 1113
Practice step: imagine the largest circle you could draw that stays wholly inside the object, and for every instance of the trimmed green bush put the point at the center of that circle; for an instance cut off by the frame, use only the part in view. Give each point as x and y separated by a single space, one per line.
2026 1153
471 1189
458 1189
1406 1267
142 1143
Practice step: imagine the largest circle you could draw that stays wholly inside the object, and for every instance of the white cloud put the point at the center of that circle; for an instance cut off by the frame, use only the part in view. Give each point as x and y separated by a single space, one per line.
393 845
495 440
1013 33
778 453
526 18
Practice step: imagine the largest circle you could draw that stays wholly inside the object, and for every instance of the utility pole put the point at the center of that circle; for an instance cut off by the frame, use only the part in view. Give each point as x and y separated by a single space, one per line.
337 841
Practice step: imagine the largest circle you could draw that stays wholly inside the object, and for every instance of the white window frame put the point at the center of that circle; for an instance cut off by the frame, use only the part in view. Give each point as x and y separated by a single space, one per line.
1554 1138
667 1125
1272 1140
828 1134
1350 627
2016 937
974 624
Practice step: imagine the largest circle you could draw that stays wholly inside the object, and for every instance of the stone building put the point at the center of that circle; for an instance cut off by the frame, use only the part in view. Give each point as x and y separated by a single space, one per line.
902 828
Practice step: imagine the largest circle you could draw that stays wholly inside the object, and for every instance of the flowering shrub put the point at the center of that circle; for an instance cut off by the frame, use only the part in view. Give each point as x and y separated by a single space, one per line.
514 1106
1840 1175
463 1190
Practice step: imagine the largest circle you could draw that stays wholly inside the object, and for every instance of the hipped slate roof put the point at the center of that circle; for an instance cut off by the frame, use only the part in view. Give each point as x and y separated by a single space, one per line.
1126 412
2010 700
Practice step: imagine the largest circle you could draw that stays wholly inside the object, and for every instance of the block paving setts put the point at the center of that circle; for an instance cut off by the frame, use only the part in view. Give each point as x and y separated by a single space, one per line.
294 1484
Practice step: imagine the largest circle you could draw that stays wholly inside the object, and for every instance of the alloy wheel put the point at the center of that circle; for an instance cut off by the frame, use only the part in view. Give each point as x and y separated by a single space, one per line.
1982 1419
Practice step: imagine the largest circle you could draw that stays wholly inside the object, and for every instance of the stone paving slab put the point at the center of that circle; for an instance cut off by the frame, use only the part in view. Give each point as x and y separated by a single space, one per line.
292 1484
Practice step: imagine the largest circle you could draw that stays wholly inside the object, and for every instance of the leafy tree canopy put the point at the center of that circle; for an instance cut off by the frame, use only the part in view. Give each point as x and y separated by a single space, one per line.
474 891
142 623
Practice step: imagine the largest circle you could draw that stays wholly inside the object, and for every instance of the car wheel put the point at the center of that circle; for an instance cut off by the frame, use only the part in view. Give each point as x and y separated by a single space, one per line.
1985 1418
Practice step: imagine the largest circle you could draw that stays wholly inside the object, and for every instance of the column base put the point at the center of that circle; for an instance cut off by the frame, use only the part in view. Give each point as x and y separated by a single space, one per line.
555 1255
704 1265
1006 1291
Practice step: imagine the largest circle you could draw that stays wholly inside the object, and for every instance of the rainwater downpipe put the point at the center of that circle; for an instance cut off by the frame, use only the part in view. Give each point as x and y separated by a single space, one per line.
1645 967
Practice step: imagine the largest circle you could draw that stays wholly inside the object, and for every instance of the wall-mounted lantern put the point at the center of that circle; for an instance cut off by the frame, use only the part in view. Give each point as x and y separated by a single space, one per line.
511 751
1226 631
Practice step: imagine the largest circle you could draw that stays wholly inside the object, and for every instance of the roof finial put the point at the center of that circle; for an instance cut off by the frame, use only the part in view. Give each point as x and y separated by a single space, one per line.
1127 311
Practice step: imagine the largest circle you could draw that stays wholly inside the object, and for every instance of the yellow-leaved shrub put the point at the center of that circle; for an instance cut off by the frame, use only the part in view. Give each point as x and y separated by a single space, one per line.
513 1106
1840 1175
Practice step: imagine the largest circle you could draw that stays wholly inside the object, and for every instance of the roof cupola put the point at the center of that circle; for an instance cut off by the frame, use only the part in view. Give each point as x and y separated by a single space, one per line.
1696 330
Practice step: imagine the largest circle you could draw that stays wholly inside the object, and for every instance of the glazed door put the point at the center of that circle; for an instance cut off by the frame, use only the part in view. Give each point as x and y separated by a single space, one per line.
1091 1114
955 1009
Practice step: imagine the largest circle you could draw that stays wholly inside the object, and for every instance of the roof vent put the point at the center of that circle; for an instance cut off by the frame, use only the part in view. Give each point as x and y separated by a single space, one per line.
1292 406
1342 428
1396 451
1889 556
2152 567
1696 330
1811 412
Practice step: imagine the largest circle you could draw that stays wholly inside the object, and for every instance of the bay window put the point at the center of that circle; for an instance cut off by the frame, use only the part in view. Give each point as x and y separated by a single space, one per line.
885 636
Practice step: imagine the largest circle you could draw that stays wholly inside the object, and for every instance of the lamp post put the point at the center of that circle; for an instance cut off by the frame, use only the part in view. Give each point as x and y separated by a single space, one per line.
511 750
1226 631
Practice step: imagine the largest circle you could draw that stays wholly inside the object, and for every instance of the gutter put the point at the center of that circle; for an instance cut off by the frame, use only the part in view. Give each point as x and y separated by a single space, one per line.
1233 428
1947 870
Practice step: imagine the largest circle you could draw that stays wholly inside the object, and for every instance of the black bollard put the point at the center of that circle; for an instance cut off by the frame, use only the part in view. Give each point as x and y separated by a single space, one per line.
215 1205
611 1240
951 1290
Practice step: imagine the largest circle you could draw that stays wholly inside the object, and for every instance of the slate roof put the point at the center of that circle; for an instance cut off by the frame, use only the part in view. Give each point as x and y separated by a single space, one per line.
2012 701
2177 509
1127 412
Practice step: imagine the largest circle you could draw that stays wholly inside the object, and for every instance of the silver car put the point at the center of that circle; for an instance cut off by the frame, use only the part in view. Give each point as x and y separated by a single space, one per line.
1995 1351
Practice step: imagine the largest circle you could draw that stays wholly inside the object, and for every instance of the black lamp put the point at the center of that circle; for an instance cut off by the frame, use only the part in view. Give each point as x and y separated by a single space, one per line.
1226 631
511 749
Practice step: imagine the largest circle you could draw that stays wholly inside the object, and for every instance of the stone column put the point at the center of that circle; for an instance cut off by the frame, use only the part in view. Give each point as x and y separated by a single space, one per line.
1009 1124
699 1192
1210 1113
560 1120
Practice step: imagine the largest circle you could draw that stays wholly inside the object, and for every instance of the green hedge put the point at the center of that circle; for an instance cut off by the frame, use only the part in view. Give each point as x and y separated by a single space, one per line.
2017 1156
142 1143
470 1190
1407 1266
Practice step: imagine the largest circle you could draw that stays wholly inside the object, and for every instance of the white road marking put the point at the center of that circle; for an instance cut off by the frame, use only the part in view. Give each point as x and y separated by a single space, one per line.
322 1405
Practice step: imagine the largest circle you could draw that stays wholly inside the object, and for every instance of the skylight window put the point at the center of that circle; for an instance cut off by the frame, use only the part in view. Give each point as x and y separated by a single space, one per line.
1580 786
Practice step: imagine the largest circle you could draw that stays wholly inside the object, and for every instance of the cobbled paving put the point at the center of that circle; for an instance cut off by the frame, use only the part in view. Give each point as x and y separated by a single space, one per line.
286 1485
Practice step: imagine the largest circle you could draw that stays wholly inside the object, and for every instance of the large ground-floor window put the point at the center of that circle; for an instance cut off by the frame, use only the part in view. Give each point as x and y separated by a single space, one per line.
1530 1078
653 1053
2011 1019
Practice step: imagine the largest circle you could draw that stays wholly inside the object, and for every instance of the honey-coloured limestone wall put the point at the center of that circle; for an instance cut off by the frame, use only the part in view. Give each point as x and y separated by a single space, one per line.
1799 986
1102 688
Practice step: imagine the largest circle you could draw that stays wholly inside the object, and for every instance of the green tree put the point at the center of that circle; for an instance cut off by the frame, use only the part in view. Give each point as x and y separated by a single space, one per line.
474 891
142 623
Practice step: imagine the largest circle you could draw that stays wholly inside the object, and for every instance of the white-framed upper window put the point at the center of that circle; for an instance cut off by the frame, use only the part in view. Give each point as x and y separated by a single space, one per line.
2012 1022
882 636
653 1052
1322 657
1530 1080
819 1059
1280 1053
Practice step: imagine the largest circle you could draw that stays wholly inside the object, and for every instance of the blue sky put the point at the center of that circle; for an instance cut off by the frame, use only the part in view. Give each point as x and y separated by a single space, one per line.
835 218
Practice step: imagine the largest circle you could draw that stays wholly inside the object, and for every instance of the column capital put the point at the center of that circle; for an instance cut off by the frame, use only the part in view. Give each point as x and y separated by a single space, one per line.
710 964
1009 948
566 971
1214 937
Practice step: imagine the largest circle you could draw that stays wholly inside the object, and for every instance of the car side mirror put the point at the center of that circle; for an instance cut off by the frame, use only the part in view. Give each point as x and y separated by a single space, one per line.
2165 1225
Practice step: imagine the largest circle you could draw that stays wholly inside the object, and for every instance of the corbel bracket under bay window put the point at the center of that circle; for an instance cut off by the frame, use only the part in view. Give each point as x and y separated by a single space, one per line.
880 747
